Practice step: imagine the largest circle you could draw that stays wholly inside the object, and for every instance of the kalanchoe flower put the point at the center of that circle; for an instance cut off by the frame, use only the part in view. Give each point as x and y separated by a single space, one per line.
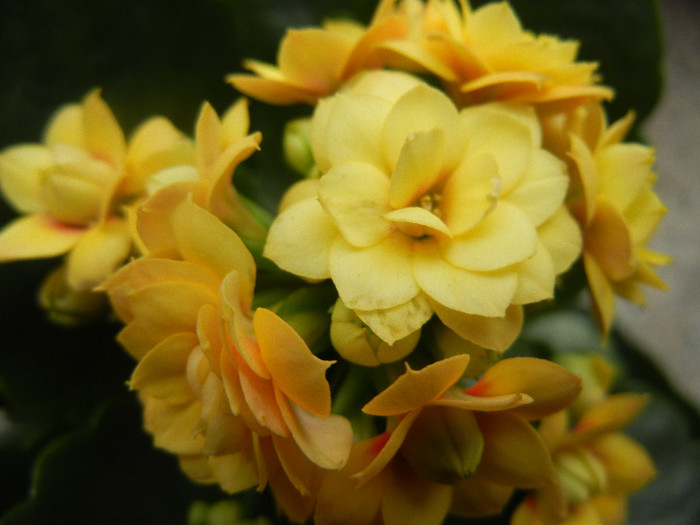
484 54
71 188
314 62
235 393
446 448
422 208
596 464
614 201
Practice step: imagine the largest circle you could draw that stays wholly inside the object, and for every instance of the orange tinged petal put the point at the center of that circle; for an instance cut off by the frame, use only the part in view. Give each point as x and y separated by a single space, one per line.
415 389
37 236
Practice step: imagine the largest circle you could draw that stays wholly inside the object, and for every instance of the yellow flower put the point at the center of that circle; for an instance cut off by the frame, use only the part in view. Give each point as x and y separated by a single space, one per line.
315 62
448 449
597 466
615 203
221 144
422 208
71 188
235 393
485 54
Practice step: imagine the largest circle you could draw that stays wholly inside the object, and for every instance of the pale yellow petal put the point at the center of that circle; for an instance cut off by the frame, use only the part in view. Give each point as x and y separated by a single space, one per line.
22 170
37 236
398 322
536 278
417 222
506 236
478 293
561 236
66 127
235 122
104 137
355 195
98 254
373 278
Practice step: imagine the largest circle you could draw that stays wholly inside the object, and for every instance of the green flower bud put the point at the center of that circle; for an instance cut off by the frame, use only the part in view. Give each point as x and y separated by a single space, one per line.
582 475
67 306
296 143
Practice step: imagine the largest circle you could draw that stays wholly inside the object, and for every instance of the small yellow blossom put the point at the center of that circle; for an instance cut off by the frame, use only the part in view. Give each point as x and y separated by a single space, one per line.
597 465
614 201
235 393
484 54
449 449
315 62
422 208
70 189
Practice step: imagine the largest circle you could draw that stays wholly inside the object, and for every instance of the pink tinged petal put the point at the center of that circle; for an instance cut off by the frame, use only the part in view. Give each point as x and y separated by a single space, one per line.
410 498
418 168
627 464
505 237
349 130
542 190
415 389
98 254
477 293
514 453
470 193
385 447
35 237
300 238
22 171
608 239
325 441
66 127
494 333
355 195
294 369
398 322
552 387
535 278
161 372
423 109
104 137
495 130
561 236
417 222
203 239
373 278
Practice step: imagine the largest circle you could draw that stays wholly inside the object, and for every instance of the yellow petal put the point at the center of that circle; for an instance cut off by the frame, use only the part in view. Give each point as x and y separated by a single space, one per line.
98 254
552 387
66 127
373 278
536 277
561 236
104 137
494 333
300 238
398 322
423 109
476 496
601 292
162 371
418 167
175 427
356 196
417 222
294 369
504 237
608 239
478 293
37 236
611 414
234 472
410 498
22 170
627 463
414 389
514 454
235 122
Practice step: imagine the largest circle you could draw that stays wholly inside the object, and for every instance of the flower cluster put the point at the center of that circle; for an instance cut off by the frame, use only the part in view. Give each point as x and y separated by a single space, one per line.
454 168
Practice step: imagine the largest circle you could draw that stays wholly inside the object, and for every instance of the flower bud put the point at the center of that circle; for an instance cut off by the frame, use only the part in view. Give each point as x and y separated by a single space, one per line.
296 143
444 444
67 306
582 475
358 344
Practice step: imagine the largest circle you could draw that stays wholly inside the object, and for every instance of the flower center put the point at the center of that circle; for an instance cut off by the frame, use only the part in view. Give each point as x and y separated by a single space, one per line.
431 202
